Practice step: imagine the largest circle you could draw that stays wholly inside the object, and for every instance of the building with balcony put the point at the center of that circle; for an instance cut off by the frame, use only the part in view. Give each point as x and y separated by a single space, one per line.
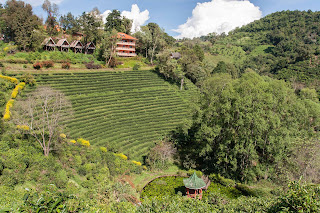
126 46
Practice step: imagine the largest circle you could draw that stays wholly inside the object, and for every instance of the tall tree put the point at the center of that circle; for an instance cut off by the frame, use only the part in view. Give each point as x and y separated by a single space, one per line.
115 21
109 43
69 23
91 25
41 115
19 22
52 10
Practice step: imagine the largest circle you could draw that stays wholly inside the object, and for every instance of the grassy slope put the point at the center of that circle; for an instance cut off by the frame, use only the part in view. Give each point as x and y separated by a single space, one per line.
126 111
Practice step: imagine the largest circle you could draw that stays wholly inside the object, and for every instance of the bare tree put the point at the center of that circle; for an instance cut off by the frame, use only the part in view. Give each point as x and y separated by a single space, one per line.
160 155
41 113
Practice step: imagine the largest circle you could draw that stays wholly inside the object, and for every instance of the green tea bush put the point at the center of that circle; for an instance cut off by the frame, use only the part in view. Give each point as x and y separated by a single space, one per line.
137 66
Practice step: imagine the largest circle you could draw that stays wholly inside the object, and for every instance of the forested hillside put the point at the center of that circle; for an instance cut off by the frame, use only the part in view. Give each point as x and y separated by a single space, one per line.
284 45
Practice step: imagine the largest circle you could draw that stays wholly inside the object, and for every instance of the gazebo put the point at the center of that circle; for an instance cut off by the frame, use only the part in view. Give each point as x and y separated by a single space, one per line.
194 186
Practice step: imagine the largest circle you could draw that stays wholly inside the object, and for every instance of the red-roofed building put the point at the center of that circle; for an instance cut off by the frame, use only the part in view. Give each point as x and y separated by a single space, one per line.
126 47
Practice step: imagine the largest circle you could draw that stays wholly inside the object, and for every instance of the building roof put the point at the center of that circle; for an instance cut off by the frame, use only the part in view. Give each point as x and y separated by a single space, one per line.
61 41
125 36
193 182
175 55
74 44
46 41
90 45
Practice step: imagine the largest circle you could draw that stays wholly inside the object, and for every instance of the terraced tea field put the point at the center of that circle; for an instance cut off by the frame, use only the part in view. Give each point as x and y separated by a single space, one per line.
127 111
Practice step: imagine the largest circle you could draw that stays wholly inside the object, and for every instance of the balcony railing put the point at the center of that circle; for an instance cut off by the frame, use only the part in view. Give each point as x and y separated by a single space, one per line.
126 43
127 54
126 48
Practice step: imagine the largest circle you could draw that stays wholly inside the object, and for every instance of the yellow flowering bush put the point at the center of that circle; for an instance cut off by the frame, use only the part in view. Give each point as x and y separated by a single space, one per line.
63 135
12 80
7 113
137 163
83 142
73 141
103 149
121 155
23 127
144 167
16 89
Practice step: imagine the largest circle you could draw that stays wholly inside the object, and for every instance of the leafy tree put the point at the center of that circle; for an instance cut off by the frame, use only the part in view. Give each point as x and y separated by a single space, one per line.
108 47
53 12
19 23
91 24
69 23
244 128
115 21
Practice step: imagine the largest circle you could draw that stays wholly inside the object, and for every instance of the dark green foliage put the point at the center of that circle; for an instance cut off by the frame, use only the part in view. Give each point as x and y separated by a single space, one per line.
136 66
18 23
298 198
115 21
242 128
91 65
29 79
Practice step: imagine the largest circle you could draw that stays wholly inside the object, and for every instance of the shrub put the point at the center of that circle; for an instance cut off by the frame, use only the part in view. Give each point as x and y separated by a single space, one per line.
12 80
29 79
7 114
37 65
91 65
83 142
16 90
65 65
137 163
136 66
23 127
47 64
122 156
103 149
63 135
73 141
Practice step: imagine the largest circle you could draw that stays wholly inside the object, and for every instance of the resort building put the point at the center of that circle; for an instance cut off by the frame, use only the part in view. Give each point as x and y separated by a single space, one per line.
126 47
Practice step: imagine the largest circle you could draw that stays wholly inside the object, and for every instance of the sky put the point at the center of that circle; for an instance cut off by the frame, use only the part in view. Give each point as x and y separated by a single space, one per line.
183 18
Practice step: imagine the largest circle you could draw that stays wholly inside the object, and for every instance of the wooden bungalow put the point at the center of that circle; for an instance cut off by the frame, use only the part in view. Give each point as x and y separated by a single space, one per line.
76 46
63 45
194 186
48 44
89 48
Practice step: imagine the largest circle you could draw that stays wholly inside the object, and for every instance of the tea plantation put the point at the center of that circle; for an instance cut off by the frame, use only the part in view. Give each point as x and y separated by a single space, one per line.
125 111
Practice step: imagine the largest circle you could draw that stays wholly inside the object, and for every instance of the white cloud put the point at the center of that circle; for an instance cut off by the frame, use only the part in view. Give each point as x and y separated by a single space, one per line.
138 17
35 3
218 16
104 15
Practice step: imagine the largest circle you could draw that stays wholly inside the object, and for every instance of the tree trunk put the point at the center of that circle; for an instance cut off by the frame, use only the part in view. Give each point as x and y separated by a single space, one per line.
181 83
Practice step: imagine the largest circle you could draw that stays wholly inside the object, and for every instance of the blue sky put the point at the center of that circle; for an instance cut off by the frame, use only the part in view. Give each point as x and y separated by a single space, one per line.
169 14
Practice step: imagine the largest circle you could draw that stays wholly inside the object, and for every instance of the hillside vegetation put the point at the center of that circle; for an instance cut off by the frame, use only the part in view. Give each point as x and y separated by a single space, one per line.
125 111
